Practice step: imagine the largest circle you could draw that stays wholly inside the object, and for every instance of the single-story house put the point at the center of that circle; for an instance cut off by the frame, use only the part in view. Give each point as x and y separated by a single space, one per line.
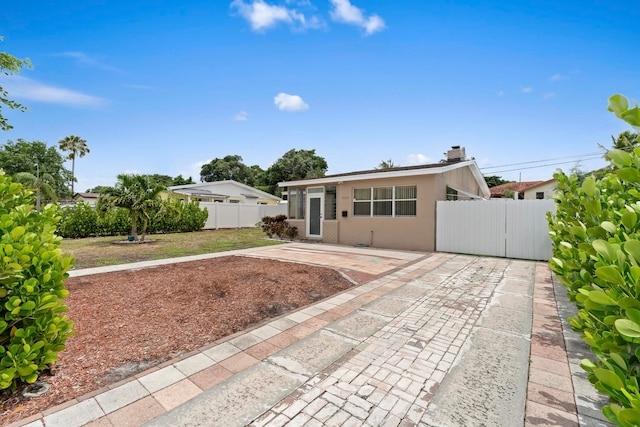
526 189
228 191
90 198
391 208
544 190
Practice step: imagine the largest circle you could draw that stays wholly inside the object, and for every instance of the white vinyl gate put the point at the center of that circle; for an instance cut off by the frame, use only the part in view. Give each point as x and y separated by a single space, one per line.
500 227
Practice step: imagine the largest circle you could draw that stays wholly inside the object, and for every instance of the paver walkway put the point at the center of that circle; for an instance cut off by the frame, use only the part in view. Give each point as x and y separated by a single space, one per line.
433 340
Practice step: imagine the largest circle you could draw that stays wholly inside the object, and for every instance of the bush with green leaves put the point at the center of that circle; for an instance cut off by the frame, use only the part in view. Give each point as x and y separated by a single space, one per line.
596 245
178 216
80 220
278 226
32 273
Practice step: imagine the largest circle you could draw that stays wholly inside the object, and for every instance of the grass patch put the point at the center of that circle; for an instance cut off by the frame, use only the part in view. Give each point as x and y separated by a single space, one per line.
100 251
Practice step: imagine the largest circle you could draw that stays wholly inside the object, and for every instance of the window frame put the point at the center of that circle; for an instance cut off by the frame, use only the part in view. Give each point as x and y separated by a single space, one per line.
374 200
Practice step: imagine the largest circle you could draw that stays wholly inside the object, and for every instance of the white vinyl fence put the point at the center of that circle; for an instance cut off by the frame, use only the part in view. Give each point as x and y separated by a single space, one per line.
501 227
237 215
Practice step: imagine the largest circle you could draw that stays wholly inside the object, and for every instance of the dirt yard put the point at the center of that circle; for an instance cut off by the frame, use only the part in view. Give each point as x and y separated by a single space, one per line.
127 322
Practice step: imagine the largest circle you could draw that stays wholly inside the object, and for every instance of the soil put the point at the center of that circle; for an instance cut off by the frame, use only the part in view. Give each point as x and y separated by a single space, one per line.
127 322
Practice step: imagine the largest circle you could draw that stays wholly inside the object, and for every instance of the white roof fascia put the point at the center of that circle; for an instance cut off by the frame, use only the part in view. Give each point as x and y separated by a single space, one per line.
260 193
466 193
394 174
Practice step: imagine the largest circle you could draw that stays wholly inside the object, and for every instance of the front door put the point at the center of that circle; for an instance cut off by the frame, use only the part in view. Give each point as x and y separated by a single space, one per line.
315 205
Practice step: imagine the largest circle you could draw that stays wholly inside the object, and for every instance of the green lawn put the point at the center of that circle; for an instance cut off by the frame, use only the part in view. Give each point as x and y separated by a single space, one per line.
99 251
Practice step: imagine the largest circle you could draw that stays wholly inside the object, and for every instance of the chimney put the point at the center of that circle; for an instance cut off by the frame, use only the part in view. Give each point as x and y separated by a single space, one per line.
456 154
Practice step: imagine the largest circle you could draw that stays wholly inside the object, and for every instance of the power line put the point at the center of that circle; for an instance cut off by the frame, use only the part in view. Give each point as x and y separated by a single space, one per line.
541 166
545 160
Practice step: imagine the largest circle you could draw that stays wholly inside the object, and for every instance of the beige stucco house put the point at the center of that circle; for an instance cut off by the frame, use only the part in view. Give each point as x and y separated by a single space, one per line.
388 208
228 191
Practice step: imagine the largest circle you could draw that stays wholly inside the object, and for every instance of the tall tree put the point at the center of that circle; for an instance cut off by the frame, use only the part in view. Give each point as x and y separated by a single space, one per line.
40 184
37 159
386 164
179 180
294 165
626 140
10 65
494 180
77 147
228 168
139 195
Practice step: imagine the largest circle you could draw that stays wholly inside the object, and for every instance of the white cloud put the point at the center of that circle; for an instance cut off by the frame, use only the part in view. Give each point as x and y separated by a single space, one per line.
557 77
262 15
417 159
242 116
86 60
22 87
548 95
526 90
344 11
286 102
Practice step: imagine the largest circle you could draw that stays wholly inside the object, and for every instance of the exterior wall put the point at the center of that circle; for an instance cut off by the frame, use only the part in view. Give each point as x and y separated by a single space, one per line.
548 188
301 224
406 233
462 179
330 231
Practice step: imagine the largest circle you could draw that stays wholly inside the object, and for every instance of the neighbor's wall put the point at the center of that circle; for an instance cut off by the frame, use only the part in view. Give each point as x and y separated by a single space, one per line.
549 189
405 233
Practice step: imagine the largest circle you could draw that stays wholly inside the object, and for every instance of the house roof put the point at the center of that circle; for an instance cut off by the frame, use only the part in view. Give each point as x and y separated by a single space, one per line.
540 184
516 187
430 169
204 188
87 195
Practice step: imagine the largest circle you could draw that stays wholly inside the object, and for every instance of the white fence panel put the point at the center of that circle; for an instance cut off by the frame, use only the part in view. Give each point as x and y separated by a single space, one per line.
228 215
527 229
505 228
470 227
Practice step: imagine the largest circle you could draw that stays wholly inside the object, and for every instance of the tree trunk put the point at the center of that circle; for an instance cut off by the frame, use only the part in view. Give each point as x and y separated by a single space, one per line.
73 173
134 225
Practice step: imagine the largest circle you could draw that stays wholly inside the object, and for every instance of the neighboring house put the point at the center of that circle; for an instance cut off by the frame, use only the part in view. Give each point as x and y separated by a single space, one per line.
388 208
526 189
544 190
90 198
223 192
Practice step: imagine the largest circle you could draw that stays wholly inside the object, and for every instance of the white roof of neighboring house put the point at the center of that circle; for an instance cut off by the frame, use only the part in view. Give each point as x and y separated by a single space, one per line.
221 189
396 173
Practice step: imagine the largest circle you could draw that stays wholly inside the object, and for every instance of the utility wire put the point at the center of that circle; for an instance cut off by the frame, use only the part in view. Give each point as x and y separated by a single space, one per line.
545 160
541 166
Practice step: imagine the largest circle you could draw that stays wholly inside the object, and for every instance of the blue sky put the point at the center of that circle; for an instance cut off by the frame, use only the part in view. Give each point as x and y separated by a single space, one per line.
165 86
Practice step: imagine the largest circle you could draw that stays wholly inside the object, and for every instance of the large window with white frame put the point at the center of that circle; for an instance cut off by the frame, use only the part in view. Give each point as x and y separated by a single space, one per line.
389 201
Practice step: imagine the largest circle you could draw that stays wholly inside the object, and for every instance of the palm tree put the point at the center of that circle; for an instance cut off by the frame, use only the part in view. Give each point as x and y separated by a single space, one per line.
626 140
137 194
40 184
76 146
386 164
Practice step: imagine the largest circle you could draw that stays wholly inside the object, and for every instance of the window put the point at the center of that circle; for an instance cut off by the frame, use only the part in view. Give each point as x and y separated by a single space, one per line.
330 202
406 200
385 201
539 194
452 194
362 202
297 198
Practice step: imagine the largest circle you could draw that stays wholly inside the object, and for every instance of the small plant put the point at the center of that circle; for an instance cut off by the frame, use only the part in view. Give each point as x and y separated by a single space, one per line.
32 270
278 226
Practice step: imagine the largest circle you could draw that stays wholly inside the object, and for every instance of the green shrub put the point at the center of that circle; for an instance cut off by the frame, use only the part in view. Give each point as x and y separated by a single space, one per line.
278 226
32 271
80 220
596 247
174 216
